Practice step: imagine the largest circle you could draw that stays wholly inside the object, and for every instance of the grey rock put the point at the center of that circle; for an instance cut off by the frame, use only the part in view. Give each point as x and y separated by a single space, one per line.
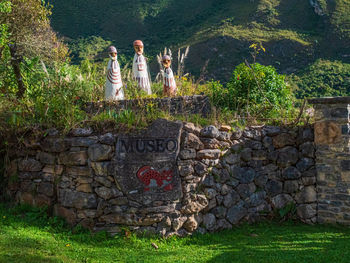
209 154
245 190
208 181
100 168
268 143
108 139
291 173
210 193
224 136
210 132
255 145
100 152
307 195
305 134
283 139
306 211
186 170
281 201
187 154
210 143
273 187
261 181
82 132
254 134
29 165
189 140
54 145
46 189
307 149
257 198
103 181
223 224
46 158
231 198
200 169
232 158
219 211
191 128
247 175
69 198
259 155
237 134
82 141
219 199
119 201
236 213
191 224
209 221
225 189
291 186
309 180
305 164
73 158
271 130
104 192
287 156
246 154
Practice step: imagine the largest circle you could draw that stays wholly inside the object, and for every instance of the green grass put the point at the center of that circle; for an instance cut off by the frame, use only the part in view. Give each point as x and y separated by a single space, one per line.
27 235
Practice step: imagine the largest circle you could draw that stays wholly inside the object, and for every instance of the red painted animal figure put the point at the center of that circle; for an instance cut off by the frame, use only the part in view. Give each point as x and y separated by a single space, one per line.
151 178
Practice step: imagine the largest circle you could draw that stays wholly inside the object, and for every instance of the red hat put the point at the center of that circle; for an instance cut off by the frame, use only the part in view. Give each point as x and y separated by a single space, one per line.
112 49
138 43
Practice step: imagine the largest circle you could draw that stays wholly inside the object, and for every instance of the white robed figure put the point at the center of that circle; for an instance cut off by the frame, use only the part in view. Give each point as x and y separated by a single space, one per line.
139 68
114 84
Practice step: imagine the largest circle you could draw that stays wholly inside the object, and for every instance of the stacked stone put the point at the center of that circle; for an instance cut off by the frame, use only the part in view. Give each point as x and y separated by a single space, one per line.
226 178
332 137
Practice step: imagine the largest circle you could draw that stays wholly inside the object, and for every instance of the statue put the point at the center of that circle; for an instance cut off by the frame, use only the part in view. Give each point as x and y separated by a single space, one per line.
169 84
113 88
139 68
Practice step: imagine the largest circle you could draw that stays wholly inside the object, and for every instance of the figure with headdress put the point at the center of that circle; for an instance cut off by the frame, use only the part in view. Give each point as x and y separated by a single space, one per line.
139 68
169 83
113 88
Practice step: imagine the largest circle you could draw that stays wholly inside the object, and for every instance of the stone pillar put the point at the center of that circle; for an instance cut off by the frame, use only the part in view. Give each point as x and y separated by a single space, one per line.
332 136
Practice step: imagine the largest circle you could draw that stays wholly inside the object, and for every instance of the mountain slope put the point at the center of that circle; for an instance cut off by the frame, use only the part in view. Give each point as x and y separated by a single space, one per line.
295 32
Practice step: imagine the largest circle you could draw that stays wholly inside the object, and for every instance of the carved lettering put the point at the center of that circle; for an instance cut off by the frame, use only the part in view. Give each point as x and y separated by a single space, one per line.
141 145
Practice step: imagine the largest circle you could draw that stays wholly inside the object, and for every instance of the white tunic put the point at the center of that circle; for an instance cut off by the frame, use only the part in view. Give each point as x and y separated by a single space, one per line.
113 90
169 82
140 72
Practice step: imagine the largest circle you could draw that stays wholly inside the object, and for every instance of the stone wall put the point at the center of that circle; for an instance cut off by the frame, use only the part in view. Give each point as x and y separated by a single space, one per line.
197 104
332 159
173 178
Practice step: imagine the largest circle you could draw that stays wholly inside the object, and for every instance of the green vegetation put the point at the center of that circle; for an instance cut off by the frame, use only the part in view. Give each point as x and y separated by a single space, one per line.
29 235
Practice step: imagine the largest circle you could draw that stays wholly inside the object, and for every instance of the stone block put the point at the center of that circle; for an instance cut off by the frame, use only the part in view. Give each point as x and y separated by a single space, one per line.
73 158
54 145
306 195
29 165
291 186
231 199
273 187
327 132
236 213
306 211
69 198
209 221
291 173
100 152
283 139
189 140
100 168
210 132
209 154
108 139
78 171
83 132
85 188
280 201
287 156
46 158
188 154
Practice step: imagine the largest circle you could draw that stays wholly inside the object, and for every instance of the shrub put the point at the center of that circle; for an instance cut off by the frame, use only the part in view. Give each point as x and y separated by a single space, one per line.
254 90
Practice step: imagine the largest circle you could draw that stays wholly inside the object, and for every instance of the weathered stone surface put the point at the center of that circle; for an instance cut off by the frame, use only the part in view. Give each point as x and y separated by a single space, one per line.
195 206
53 169
268 143
307 149
100 168
291 186
104 192
177 223
210 193
307 195
54 145
273 187
191 128
108 139
209 221
82 132
219 211
309 180
283 139
261 181
236 213
257 198
200 169
73 158
208 154
29 165
246 154
100 152
188 154
271 130
306 211
68 214
132 219
291 173
224 136
245 190
85 188
305 164
327 132
210 132
82 141
191 224
225 189
46 189
225 128
280 201
69 198
210 143
232 158
78 171
223 224
103 181
46 158
186 170
287 156
190 140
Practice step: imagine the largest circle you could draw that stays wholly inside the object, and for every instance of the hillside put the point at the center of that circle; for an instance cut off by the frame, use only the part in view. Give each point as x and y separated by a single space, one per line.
295 33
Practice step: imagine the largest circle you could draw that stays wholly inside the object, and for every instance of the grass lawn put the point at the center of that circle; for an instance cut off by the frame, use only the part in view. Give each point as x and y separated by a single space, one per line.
28 235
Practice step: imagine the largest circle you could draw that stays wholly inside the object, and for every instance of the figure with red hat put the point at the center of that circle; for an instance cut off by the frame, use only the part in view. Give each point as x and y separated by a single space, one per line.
169 84
113 88
139 68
